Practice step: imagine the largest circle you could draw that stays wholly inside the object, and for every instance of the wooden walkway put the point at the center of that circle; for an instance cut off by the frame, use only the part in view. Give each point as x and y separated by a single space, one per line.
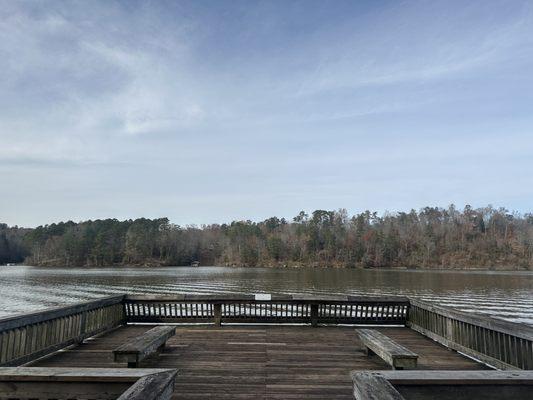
261 362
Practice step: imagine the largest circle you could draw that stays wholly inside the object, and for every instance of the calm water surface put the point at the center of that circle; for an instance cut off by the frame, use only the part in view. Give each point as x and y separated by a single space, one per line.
508 295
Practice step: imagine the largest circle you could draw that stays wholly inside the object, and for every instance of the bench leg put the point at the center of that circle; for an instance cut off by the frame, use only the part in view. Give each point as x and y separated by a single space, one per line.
368 352
404 364
133 362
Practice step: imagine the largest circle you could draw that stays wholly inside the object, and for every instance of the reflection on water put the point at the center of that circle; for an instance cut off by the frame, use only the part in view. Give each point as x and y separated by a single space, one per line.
508 295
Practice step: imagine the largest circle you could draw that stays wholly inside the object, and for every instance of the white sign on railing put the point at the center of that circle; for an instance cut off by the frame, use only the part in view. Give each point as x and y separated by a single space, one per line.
263 296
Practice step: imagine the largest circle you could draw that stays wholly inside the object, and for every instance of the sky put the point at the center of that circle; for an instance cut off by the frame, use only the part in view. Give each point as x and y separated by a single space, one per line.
211 111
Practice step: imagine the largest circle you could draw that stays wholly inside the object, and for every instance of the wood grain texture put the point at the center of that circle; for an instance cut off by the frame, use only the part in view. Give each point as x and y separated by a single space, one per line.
261 362
512 328
21 320
502 344
372 386
27 337
158 386
145 345
390 351
26 383
444 385
467 377
290 309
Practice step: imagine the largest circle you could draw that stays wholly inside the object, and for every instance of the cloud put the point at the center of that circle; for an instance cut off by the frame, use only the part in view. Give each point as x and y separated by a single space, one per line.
163 100
70 84
105 70
412 51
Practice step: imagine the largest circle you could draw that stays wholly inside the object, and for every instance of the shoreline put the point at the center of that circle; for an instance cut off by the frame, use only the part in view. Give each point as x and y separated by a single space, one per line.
291 267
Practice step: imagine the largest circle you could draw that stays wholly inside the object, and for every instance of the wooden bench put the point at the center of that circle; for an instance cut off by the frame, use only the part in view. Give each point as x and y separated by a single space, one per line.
387 349
150 342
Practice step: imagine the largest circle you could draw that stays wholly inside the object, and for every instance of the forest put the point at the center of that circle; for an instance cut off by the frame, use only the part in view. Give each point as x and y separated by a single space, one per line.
432 237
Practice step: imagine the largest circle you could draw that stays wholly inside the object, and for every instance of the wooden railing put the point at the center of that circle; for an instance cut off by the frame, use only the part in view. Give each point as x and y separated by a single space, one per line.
275 309
435 385
27 337
86 383
502 344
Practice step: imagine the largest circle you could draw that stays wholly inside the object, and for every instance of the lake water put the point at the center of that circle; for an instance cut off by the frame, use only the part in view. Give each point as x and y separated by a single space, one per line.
507 295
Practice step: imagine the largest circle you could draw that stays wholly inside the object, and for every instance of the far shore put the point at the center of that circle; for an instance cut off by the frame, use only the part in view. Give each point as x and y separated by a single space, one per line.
381 268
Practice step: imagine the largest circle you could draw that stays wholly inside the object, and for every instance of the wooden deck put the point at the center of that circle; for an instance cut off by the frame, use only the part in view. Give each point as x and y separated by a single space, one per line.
261 362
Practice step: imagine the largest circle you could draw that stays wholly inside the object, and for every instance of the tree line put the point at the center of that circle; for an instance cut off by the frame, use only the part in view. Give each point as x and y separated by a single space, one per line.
432 237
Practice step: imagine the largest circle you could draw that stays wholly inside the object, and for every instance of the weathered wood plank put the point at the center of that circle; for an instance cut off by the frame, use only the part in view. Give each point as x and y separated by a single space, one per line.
254 362
294 299
157 386
458 377
28 337
17 321
499 325
372 386
502 344
93 383
285 309
394 354
150 342
75 374
392 385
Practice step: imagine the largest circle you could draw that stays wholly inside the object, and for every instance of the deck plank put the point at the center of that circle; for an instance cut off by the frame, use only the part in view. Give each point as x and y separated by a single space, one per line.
261 362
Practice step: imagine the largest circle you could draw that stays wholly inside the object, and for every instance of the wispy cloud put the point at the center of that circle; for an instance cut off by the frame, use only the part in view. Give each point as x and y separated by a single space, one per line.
219 96
421 44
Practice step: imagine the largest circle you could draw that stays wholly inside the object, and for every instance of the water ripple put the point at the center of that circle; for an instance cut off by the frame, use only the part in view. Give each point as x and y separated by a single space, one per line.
504 295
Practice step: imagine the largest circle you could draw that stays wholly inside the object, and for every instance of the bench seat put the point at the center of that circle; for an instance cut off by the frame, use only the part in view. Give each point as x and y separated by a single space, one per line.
150 342
387 349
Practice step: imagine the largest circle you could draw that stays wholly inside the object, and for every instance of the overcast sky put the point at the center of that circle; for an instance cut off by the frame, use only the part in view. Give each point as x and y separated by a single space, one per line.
213 111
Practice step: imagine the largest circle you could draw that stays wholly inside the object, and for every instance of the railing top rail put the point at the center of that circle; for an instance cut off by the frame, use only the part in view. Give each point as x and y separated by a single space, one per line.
467 377
152 387
143 384
75 374
511 328
274 298
16 321
383 385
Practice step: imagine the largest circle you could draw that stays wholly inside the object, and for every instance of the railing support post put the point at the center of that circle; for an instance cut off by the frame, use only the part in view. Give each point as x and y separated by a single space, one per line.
314 314
450 334
83 323
217 309
124 312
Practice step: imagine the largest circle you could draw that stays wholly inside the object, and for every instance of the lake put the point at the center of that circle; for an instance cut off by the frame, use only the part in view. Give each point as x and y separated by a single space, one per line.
507 295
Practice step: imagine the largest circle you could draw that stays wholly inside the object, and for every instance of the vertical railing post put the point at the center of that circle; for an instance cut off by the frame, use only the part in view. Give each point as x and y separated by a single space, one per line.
83 322
450 332
408 314
217 311
124 311
314 314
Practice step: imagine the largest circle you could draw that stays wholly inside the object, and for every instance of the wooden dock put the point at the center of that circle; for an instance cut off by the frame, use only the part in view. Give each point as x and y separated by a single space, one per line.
261 362
247 348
